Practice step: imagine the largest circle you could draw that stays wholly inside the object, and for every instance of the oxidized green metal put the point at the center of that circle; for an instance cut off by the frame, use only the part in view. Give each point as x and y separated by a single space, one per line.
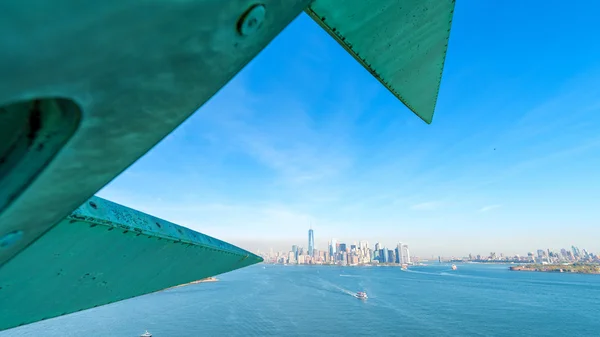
86 88
135 68
104 252
401 42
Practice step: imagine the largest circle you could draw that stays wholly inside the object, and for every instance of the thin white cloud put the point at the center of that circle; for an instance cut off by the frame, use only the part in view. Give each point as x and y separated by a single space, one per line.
288 143
426 206
489 208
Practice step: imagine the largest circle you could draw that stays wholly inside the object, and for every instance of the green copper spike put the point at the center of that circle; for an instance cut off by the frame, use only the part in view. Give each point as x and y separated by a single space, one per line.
401 42
104 252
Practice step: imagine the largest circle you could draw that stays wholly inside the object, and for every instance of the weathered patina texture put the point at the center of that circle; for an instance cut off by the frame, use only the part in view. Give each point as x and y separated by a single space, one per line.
402 43
104 252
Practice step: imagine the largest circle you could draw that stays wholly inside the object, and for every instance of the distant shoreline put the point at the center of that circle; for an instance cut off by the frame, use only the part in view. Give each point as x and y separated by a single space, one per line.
559 268
348 265
208 279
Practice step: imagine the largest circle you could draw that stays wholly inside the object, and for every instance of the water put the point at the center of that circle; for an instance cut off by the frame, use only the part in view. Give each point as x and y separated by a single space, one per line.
475 300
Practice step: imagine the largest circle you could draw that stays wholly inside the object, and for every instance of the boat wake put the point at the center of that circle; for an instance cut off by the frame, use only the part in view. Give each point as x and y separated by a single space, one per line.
447 272
346 291
338 288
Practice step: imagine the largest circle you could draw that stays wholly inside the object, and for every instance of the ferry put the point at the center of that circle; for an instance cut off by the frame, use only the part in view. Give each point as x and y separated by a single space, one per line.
361 295
454 267
146 334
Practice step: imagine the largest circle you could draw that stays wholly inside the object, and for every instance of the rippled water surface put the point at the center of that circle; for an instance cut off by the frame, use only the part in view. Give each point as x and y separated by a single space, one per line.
275 300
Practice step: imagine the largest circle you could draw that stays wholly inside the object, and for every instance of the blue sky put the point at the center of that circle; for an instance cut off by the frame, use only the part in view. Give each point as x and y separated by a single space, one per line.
305 136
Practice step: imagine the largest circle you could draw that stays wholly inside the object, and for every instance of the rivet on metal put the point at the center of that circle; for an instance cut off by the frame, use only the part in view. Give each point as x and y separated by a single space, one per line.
251 20
10 239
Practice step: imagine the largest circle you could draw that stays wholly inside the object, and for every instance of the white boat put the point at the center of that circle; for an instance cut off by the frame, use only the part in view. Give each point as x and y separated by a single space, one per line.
361 295
146 334
454 267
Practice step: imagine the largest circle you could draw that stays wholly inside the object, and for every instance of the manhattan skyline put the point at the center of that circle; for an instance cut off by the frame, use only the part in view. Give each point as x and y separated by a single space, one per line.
360 252
509 162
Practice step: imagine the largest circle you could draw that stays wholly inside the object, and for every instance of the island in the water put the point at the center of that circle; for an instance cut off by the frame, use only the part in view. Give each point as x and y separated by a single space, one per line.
579 268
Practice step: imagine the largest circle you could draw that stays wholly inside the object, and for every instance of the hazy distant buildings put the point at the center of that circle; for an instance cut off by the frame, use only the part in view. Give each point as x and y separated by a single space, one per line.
391 256
339 253
311 242
295 251
402 254
332 247
361 253
383 255
576 252
405 255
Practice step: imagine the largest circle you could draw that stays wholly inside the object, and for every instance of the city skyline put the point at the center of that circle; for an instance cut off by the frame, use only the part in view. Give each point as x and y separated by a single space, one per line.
341 253
361 252
508 163
424 252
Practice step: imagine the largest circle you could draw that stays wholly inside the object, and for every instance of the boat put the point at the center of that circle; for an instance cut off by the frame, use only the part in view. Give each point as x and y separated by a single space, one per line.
146 334
361 295
454 267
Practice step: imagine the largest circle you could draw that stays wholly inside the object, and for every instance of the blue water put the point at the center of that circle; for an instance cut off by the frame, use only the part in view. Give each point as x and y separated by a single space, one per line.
475 300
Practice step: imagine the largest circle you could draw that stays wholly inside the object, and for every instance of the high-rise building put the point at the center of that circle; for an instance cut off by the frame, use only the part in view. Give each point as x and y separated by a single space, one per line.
295 251
363 245
311 242
332 247
405 254
383 256
576 252
391 256
540 253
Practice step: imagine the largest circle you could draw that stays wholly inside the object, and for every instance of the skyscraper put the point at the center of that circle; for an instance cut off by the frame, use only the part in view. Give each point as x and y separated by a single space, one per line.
311 242
295 251
405 254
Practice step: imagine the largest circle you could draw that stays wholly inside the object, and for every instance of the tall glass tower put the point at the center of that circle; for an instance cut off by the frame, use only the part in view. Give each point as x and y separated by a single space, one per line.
311 242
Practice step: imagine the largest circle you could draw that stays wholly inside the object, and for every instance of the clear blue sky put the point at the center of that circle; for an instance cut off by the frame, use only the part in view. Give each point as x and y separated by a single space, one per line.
304 135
